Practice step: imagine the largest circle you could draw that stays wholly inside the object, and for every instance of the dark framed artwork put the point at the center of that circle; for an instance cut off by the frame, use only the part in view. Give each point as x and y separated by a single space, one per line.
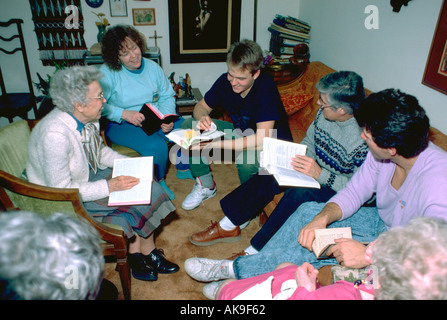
201 30
435 75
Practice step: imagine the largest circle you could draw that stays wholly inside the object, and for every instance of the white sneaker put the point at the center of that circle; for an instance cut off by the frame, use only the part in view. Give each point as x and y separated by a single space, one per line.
198 195
210 290
207 270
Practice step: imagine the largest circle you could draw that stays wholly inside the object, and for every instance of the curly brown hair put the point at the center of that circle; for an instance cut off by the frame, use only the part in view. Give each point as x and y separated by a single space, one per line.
113 42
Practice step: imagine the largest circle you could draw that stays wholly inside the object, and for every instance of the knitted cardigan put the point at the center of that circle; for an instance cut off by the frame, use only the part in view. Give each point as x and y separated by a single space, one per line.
56 157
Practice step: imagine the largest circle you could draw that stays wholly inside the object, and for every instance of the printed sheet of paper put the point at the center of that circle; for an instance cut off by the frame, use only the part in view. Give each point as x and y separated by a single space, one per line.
277 157
277 153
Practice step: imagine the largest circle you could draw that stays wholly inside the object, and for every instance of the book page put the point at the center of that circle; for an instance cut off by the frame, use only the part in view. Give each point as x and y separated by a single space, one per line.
325 237
186 137
286 177
139 167
210 131
279 153
207 135
155 110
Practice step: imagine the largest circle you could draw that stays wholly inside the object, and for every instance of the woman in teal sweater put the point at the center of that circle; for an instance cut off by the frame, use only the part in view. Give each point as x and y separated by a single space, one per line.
129 82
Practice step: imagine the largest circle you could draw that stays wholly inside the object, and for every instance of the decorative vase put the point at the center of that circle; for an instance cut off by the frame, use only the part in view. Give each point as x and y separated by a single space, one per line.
101 32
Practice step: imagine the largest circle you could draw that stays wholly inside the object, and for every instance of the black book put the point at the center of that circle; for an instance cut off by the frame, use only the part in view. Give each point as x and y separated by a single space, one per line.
153 118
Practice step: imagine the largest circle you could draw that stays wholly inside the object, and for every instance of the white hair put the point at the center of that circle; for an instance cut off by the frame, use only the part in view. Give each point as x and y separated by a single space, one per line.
412 261
50 258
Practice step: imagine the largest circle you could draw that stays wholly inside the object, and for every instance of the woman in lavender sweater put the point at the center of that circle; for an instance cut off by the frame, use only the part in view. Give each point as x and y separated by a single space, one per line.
402 168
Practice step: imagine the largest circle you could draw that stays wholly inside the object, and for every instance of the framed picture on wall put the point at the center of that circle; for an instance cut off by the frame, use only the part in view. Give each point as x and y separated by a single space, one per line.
435 75
203 31
118 8
143 17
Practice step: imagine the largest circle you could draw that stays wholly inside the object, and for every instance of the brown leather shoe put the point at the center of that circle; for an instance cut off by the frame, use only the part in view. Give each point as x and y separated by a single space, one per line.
215 234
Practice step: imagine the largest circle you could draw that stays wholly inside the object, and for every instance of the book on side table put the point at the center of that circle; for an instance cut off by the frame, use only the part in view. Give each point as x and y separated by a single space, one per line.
139 167
276 158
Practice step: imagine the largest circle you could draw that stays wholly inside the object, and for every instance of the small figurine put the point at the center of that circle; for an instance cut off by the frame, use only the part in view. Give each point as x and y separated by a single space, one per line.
171 79
183 87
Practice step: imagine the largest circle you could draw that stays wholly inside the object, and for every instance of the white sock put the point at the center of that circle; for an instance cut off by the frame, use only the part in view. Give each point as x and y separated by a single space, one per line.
250 250
226 224
228 265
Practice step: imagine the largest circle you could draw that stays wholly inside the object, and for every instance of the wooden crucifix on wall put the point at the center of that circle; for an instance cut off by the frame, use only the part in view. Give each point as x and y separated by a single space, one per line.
155 36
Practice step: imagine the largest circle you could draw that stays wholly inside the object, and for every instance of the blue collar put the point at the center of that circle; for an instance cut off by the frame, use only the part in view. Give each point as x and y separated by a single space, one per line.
139 70
80 125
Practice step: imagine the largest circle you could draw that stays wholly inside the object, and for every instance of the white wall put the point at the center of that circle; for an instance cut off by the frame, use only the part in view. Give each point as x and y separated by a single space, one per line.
392 56
202 74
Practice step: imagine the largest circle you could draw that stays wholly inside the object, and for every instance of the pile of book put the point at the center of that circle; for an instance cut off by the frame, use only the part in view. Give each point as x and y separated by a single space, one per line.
286 33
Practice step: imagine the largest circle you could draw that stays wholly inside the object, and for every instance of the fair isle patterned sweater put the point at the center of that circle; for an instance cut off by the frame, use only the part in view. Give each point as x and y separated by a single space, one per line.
337 148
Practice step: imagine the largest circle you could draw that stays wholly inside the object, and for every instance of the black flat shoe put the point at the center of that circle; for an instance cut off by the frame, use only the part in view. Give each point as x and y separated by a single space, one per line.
156 260
140 270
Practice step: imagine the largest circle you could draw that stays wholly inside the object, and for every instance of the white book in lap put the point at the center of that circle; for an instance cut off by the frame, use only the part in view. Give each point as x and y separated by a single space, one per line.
139 167
276 159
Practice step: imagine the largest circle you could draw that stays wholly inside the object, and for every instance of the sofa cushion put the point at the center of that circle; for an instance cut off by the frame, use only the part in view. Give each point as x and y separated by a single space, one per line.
438 138
300 120
294 100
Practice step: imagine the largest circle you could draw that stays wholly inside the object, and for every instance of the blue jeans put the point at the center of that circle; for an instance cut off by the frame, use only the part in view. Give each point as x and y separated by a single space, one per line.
128 135
288 204
366 226
248 199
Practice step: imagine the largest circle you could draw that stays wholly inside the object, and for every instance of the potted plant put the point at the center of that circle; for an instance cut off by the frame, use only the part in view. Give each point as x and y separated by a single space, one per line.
46 104
101 24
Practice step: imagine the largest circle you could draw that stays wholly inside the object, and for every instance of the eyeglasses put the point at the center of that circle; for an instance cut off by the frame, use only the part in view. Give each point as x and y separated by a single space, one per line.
323 105
101 97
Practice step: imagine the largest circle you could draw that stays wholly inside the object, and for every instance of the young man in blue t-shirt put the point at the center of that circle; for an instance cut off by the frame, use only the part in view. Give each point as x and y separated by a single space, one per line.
252 101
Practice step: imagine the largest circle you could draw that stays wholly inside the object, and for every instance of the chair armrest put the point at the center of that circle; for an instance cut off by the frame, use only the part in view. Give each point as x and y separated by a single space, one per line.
26 188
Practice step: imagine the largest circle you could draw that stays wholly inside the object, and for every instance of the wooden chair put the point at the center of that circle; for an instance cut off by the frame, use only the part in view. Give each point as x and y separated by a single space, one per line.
118 148
16 193
15 104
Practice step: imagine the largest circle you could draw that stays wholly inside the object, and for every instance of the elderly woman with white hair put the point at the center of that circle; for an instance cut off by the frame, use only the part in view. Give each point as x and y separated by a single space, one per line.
49 258
66 151
409 263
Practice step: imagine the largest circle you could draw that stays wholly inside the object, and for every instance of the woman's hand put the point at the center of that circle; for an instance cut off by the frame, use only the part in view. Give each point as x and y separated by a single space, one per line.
167 127
306 165
307 233
133 117
122 183
349 253
306 276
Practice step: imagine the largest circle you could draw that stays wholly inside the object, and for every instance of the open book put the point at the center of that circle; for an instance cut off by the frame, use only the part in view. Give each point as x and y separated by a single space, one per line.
139 167
153 118
324 239
187 137
276 159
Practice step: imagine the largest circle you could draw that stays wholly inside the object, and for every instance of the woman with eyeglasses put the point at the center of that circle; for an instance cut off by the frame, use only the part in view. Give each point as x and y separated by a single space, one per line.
129 81
66 151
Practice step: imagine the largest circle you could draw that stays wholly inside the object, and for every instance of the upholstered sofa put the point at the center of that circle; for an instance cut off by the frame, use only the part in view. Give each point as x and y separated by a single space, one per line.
300 101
